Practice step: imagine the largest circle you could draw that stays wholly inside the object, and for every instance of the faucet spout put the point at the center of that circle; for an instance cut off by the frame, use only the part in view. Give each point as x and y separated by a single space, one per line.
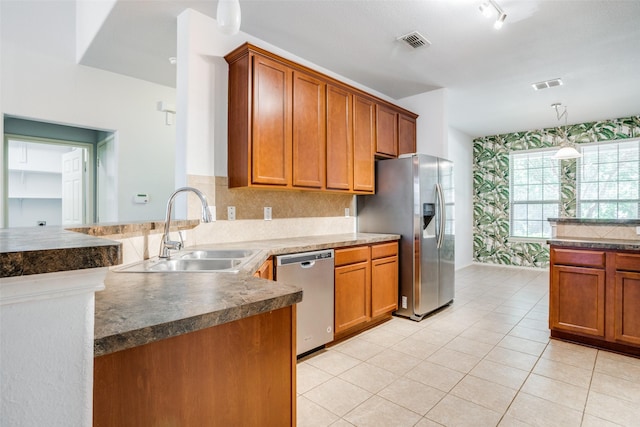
166 243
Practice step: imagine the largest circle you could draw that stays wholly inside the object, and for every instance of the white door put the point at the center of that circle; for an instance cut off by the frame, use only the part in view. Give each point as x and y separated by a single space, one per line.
73 166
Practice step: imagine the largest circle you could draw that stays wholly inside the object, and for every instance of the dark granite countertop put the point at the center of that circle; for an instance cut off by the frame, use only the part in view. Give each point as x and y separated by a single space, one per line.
595 221
139 308
36 250
133 228
595 243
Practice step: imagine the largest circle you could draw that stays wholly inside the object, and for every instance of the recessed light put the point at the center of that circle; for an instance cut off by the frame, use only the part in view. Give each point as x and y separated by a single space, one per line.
547 84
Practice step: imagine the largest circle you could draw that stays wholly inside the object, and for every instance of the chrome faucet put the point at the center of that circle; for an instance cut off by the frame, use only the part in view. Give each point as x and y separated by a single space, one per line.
166 244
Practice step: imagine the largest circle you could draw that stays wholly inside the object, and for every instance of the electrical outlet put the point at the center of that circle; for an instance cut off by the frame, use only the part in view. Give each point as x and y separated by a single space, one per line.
267 213
346 212
638 231
404 301
231 213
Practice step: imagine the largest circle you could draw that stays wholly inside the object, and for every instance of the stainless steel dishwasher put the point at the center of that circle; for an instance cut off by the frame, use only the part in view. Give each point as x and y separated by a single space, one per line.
313 272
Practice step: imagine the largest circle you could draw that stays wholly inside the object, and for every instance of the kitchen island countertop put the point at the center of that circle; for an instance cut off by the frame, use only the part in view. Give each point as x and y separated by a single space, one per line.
140 308
37 250
595 243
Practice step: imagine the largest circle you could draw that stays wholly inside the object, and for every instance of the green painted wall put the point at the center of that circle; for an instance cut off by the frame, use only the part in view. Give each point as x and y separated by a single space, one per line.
491 186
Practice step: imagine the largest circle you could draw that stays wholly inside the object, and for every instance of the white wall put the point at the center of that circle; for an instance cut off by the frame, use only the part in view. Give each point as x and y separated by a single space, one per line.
48 89
432 123
460 148
90 15
41 80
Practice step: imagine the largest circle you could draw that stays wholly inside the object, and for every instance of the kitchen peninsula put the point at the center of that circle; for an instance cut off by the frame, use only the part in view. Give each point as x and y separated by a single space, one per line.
167 345
48 280
595 283
220 347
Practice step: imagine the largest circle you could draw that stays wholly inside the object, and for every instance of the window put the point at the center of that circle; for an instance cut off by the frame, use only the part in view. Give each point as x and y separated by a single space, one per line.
534 193
609 180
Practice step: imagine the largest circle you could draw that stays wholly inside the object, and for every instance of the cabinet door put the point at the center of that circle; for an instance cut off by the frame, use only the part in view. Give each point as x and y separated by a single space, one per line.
386 131
271 142
339 139
265 271
384 285
308 131
627 308
406 134
577 300
363 140
352 295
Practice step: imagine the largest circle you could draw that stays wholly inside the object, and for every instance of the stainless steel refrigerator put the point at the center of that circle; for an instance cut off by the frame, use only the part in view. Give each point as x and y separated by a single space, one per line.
415 198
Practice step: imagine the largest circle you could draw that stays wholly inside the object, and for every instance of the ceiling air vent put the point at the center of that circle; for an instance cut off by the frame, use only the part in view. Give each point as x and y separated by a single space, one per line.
415 40
546 84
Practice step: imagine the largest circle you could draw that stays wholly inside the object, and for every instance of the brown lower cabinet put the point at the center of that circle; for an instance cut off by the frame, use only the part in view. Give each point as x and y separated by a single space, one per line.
366 286
266 270
240 373
595 298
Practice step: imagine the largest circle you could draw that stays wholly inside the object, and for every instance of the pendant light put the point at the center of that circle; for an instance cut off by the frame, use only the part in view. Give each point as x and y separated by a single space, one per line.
566 151
228 16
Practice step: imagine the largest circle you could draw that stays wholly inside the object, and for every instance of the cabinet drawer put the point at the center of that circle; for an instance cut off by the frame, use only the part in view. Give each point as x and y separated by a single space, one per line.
578 257
628 262
384 250
352 255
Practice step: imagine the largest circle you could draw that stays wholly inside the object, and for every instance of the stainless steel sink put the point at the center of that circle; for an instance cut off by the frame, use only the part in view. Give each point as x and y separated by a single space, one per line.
201 260
218 253
195 265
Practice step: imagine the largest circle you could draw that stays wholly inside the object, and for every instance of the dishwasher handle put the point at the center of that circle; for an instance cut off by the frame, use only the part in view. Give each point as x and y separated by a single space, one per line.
307 264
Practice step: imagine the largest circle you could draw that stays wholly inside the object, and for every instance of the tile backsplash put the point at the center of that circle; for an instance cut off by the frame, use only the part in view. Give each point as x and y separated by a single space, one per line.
294 213
590 231
250 203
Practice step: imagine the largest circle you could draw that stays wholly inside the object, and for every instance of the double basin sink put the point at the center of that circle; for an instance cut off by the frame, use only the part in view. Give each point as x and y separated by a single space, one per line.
201 260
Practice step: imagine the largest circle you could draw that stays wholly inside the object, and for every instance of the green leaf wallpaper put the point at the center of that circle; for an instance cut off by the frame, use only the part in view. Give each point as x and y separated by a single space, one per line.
491 186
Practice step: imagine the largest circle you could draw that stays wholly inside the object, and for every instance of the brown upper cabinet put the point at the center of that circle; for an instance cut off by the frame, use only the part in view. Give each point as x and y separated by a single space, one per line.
406 134
308 131
339 138
271 148
291 127
364 134
386 131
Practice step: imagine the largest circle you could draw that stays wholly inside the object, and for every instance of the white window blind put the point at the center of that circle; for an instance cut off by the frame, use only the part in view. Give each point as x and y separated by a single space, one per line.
534 192
609 180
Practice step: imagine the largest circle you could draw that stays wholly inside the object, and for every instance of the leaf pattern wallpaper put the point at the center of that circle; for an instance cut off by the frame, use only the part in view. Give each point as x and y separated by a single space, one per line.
491 242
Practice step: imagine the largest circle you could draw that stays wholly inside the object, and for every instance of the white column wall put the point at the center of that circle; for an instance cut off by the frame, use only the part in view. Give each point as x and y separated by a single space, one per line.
461 153
46 348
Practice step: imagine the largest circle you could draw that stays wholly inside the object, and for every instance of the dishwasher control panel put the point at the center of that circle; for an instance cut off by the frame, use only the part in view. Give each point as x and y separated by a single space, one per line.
304 257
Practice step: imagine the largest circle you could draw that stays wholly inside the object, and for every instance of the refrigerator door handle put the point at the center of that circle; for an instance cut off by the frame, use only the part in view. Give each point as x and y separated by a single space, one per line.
441 215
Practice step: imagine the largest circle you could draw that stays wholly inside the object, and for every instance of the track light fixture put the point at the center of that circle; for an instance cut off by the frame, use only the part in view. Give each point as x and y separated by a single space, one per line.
488 7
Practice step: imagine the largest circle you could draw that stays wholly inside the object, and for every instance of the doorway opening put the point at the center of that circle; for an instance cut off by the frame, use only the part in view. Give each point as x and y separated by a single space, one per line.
51 174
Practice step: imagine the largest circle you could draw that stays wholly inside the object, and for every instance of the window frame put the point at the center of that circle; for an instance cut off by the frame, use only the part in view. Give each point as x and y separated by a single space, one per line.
598 200
548 152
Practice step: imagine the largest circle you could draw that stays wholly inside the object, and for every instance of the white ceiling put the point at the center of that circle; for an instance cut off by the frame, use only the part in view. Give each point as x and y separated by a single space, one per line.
594 46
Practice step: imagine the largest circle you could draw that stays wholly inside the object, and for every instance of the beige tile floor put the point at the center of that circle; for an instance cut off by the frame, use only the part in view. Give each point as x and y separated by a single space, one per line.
486 360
